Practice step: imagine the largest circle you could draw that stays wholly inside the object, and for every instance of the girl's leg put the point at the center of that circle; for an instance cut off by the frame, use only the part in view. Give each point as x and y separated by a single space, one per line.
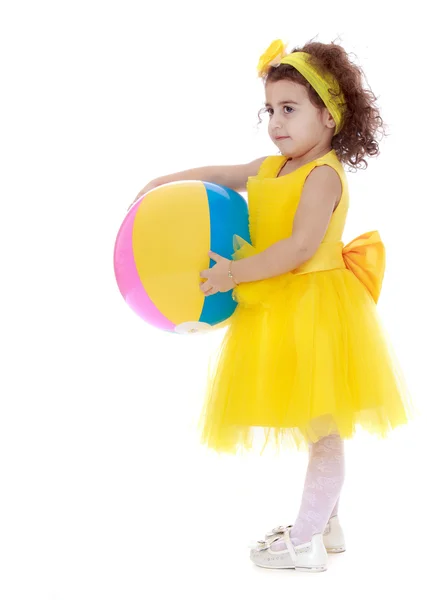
322 488
335 509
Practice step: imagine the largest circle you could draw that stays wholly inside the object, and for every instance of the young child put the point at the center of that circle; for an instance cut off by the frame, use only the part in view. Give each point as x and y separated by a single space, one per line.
304 361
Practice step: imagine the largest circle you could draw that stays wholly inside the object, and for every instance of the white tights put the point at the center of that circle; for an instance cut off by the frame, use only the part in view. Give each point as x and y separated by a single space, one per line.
322 488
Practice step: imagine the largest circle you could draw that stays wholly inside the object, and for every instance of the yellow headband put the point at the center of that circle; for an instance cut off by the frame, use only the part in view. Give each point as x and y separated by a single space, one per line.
276 55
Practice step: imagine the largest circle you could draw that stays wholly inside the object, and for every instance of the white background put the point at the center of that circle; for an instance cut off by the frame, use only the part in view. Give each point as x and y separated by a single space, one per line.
105 491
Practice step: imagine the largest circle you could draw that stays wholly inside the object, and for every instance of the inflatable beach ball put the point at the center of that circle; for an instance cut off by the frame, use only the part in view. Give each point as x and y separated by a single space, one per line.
162 246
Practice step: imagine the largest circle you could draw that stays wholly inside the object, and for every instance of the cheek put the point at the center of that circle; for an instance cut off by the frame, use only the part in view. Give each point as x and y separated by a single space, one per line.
303 127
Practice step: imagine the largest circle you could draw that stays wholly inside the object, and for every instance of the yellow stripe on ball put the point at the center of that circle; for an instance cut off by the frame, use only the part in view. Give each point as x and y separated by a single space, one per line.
170 256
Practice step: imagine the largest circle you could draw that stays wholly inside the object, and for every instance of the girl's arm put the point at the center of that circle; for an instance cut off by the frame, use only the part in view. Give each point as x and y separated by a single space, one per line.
231 176
320 196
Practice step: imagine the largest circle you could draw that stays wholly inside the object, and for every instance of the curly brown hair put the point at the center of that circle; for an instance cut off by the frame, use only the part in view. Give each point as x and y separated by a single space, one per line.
362 121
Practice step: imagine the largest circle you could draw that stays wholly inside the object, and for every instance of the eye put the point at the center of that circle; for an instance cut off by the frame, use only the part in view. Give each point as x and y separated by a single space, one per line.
270 111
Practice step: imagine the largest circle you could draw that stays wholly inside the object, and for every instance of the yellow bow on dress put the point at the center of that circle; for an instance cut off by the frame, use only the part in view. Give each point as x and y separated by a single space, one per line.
365 257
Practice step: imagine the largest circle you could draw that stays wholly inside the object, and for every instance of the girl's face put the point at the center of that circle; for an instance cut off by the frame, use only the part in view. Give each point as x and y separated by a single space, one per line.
296 126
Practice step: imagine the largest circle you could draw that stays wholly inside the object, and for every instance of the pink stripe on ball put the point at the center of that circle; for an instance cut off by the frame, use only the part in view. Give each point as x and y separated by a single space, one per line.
127 277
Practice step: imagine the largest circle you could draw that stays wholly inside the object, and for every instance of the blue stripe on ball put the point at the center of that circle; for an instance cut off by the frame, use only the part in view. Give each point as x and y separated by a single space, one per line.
228 216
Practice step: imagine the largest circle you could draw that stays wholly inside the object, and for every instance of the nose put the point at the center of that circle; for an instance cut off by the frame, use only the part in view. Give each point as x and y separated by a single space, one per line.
276 121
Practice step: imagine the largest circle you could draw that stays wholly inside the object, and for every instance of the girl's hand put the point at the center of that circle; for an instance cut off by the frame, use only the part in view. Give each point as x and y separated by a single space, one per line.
217 279
147 188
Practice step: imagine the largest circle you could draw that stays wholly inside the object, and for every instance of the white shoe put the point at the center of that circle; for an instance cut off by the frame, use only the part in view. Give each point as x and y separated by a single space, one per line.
333 536
309 557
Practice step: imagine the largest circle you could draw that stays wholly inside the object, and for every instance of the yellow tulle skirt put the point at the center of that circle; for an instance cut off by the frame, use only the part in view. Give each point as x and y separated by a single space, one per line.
304 356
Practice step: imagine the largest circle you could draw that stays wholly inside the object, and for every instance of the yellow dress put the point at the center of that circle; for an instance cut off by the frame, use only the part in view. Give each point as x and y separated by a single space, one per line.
305 354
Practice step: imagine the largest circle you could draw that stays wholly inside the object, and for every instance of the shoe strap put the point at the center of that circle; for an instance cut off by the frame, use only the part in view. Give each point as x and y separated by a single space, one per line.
289 543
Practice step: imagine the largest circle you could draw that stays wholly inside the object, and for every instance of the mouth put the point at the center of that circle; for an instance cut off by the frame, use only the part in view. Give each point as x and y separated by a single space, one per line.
282 137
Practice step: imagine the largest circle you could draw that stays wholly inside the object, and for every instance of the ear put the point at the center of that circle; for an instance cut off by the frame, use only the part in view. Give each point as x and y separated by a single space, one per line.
329 121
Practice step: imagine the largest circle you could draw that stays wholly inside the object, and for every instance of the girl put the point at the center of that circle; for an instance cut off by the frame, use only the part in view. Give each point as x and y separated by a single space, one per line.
304 361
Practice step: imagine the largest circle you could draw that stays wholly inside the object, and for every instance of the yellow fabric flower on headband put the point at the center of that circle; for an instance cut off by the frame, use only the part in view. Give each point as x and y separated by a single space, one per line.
271 57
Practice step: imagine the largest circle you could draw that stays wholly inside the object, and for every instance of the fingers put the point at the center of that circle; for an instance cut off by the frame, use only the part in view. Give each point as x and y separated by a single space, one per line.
208 289
139 196
211 292
205 287
133 203
214 256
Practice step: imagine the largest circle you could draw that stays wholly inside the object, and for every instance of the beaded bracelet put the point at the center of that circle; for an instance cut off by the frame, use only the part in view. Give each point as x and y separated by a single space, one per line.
230 274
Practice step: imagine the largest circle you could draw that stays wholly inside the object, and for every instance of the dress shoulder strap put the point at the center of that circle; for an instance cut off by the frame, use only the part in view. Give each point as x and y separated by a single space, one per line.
330 159
270 166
